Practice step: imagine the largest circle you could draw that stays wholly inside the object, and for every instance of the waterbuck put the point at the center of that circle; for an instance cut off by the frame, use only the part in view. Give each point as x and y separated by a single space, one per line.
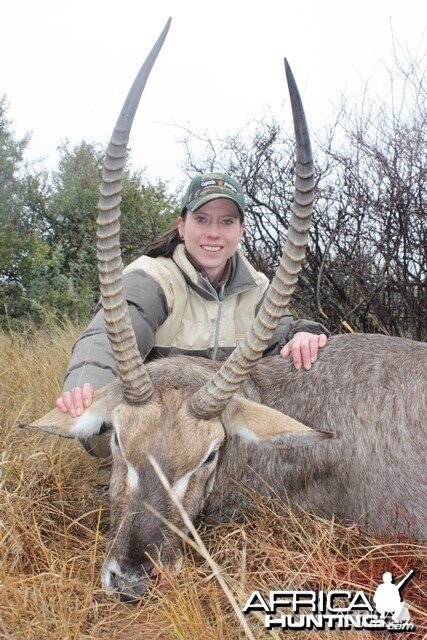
346 438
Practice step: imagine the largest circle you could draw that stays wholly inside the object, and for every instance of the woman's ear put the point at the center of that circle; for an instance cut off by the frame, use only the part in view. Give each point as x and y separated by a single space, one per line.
181 224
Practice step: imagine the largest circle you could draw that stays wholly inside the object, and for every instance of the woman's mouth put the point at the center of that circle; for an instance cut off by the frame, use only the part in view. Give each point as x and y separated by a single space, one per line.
211 248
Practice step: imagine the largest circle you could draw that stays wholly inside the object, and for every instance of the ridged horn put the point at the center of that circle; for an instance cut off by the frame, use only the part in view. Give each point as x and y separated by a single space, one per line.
136 383
210 400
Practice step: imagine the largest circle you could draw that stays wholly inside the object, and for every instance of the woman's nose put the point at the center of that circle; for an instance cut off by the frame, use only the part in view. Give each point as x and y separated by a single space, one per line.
213 231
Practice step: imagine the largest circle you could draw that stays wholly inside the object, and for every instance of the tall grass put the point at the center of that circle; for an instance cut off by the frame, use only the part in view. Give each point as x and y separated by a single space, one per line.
53 527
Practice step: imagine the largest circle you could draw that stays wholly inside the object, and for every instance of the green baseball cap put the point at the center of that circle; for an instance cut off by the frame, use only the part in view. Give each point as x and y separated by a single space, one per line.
209 186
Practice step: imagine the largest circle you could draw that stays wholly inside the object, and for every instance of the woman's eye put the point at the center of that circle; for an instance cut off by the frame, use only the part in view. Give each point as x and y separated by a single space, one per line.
200 219
211 457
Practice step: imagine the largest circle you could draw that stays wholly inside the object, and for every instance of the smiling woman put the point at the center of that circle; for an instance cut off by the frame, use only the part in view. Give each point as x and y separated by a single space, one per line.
193 292
211 235
212 223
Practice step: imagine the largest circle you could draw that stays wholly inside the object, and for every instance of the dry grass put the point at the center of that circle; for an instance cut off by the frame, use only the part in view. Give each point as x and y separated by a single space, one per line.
53 532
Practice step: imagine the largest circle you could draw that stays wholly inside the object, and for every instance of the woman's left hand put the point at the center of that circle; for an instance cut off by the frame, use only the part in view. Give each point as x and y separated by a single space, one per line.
304 347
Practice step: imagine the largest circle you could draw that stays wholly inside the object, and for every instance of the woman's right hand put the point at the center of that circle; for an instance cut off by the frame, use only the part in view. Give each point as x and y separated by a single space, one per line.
76 401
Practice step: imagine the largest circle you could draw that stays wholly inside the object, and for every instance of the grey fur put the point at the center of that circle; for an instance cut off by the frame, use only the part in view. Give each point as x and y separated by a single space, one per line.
370 391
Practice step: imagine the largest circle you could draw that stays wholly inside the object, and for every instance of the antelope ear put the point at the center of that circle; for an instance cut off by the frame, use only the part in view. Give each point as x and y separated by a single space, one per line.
91 421
255 422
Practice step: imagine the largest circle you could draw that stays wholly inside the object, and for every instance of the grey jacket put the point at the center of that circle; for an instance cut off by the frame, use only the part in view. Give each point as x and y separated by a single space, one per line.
175 310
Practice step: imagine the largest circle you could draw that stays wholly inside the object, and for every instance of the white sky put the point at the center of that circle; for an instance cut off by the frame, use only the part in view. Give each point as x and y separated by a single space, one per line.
67 65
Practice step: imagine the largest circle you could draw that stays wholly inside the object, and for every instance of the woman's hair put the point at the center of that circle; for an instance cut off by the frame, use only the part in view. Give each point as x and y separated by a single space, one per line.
164 245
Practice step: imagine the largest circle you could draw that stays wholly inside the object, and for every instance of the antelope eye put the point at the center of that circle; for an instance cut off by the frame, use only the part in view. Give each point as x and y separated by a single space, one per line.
211 457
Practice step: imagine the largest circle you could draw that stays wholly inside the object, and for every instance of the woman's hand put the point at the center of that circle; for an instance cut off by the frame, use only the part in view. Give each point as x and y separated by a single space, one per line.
76 401
304 347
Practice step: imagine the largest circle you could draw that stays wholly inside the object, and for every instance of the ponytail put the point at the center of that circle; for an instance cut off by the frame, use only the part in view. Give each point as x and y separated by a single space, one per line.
164 245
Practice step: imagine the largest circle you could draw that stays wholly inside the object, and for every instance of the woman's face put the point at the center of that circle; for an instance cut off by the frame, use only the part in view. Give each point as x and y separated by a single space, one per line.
211 235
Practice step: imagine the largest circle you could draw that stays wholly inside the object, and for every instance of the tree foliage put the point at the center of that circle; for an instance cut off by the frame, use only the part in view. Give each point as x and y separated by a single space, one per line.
366 267
48 247
14 238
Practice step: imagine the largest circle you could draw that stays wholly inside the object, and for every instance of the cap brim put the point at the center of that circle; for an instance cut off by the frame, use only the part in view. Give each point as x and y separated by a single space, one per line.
198 202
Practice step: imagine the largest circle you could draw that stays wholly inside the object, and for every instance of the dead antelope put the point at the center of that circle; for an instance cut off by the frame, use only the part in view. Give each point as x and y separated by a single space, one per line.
346 438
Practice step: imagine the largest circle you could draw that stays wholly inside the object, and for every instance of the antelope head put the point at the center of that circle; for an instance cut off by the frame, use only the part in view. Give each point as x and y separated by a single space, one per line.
185 419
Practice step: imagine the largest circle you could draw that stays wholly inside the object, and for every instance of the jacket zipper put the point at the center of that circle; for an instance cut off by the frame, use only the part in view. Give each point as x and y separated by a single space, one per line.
218 321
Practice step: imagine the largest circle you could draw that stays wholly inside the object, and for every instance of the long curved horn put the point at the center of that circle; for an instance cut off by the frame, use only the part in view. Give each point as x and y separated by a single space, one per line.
137 386
210 400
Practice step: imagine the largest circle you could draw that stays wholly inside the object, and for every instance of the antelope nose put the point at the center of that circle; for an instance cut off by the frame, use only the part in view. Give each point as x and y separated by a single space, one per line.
128 586
130 592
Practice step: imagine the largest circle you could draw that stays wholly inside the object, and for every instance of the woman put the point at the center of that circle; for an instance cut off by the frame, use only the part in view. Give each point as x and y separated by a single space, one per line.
192 293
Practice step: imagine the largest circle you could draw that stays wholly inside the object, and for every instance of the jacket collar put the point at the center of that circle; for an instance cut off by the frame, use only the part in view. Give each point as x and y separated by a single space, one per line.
242 275
224 277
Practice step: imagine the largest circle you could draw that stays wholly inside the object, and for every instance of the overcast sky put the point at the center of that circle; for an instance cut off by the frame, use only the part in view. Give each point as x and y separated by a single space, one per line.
67 65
